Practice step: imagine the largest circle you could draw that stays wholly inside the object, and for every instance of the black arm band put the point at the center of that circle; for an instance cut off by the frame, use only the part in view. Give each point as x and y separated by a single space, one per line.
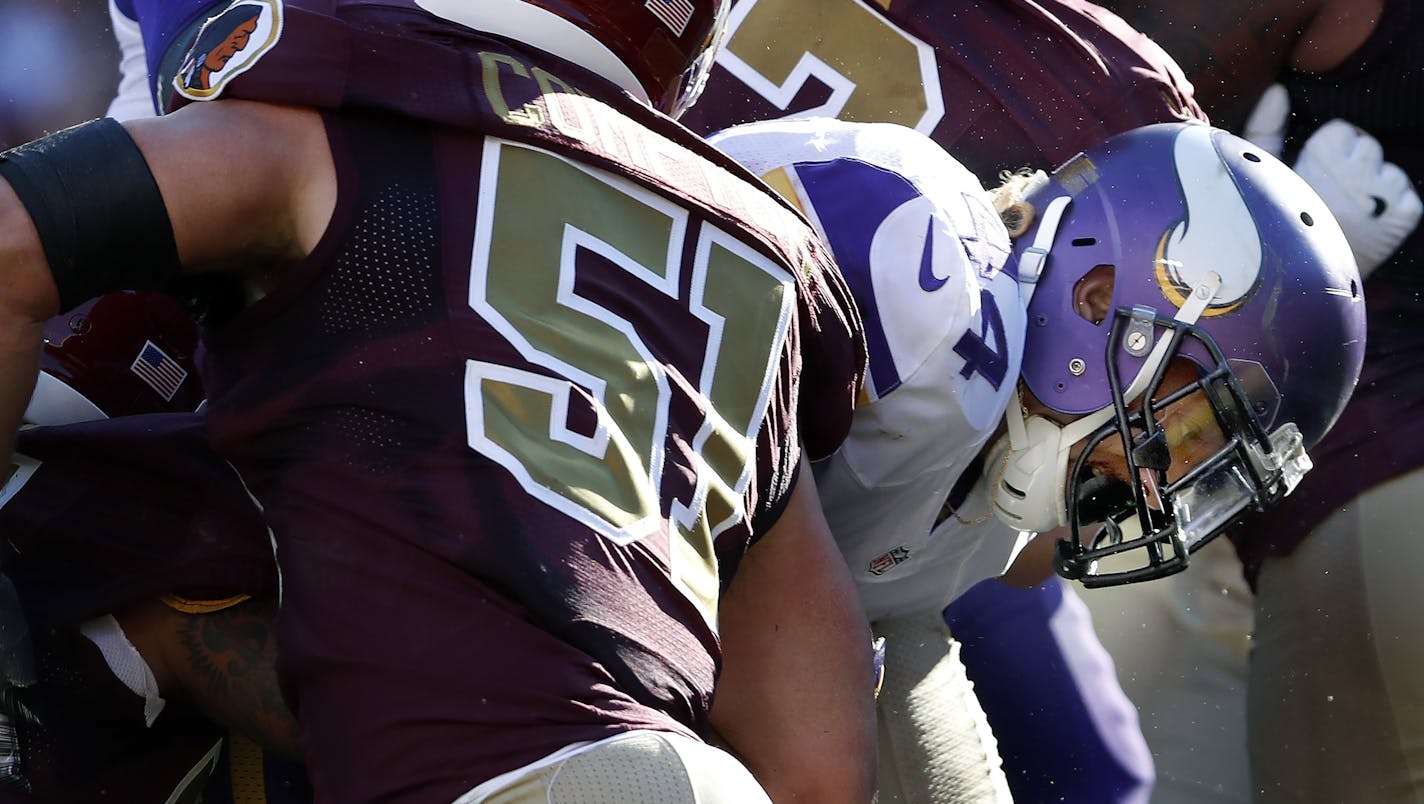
96 205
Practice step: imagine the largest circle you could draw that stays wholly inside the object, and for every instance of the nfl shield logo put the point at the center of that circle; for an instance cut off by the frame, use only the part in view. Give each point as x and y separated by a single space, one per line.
884 562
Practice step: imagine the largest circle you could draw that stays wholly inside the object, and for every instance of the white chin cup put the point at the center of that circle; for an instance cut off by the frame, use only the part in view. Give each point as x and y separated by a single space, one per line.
1029 488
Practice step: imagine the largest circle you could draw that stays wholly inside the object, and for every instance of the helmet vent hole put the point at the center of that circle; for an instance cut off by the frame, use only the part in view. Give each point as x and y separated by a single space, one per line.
1306 219
1085 241
1251 157
1354 289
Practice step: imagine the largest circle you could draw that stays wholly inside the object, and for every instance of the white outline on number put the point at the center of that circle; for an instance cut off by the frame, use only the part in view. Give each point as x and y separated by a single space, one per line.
686 516
559 388
842 87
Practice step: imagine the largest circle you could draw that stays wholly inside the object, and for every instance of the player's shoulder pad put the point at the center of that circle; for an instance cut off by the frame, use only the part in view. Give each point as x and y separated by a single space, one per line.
912 231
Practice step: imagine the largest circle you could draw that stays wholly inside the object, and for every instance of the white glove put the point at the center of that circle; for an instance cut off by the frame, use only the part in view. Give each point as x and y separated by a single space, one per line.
1266 127
1373 200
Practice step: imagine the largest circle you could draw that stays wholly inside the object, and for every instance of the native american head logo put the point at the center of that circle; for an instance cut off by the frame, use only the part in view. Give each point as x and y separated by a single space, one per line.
228 45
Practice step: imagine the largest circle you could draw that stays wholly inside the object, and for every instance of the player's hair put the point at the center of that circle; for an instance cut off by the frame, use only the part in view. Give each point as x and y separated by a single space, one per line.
1008 198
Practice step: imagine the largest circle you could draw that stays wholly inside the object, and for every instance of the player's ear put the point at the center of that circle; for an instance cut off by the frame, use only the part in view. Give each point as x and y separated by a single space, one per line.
1093 295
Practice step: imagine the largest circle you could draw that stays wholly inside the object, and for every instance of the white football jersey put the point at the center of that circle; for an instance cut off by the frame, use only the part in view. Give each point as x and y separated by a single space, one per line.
132 99
923 251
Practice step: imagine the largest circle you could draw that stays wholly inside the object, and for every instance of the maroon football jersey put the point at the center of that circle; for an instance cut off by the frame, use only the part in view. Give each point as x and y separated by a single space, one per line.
90 740
103 514
98 516
1001 85
1380 434
533 393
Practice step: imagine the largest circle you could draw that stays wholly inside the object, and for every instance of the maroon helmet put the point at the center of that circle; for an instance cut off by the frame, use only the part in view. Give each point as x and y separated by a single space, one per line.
661 50
117 355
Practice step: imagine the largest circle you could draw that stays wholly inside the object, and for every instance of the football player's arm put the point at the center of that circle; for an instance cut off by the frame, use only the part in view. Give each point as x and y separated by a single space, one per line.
241 183
795 699
27 297
222 662
1231 50
245 184
1034 563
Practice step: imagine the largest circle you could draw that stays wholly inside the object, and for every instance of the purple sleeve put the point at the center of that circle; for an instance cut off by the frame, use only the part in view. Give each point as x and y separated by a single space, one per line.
1066 730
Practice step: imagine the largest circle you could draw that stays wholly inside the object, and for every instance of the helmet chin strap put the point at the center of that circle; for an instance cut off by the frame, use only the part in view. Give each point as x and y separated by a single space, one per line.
1035 257
1031 494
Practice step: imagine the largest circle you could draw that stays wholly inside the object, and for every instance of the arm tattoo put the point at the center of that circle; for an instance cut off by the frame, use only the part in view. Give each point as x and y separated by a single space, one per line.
226 662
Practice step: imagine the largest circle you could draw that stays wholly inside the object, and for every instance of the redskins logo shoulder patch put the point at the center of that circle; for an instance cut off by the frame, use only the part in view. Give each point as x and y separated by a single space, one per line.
228 45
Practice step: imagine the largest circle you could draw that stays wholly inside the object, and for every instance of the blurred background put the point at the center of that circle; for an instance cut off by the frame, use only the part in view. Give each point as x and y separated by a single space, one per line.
58 65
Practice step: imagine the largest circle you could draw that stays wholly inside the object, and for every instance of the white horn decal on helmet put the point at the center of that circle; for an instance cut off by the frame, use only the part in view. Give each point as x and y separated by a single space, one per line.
1218 234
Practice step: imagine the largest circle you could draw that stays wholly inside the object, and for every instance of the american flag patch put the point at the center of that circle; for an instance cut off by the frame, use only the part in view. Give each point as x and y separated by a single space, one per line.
161 372
675 14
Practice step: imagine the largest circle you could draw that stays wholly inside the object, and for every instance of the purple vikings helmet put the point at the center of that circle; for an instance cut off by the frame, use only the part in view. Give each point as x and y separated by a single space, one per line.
1218 253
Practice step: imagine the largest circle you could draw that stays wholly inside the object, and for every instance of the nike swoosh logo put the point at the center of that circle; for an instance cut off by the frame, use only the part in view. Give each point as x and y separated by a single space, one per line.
929 280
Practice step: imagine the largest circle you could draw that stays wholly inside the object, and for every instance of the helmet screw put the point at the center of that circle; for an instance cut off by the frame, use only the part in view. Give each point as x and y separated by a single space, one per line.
1076 367
1136 342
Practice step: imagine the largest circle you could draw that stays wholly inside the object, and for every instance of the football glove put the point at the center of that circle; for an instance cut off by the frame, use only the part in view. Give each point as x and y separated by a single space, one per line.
1373 200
